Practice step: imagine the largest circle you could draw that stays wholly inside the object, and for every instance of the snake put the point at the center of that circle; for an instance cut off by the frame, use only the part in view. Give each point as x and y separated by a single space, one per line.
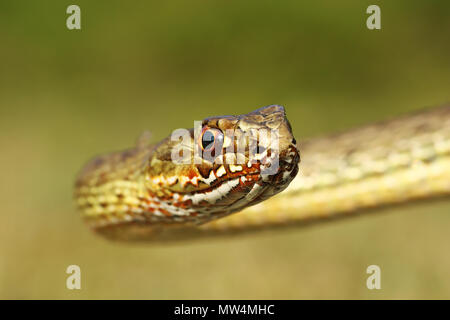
232 175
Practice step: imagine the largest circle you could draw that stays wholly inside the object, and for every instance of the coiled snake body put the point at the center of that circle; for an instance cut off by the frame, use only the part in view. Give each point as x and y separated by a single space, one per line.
142 194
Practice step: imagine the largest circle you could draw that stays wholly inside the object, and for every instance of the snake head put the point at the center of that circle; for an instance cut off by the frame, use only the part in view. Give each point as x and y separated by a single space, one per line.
228 162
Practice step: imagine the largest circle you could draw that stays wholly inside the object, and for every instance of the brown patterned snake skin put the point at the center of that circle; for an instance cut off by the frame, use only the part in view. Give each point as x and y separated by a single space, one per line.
142 195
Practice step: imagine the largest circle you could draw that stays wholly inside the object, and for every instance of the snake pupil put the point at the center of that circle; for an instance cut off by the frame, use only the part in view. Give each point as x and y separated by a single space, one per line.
208 140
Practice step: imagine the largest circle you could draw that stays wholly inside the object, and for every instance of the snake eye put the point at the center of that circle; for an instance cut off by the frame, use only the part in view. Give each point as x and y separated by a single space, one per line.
211 139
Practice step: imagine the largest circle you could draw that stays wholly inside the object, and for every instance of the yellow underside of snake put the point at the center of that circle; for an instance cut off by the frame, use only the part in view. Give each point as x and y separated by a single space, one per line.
142 195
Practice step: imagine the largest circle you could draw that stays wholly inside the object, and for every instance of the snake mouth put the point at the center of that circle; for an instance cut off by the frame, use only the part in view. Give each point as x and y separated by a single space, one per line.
224 193
234 181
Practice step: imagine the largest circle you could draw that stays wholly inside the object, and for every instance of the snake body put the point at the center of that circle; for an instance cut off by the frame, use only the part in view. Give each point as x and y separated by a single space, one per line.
141 194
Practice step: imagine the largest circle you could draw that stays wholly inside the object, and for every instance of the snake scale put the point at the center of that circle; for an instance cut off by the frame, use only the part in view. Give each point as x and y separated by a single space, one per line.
142 194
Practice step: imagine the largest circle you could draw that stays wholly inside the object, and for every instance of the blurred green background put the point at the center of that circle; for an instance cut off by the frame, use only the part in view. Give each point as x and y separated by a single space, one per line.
66 96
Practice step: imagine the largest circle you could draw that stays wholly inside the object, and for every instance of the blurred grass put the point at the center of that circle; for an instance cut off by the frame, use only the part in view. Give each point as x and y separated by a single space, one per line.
68 95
